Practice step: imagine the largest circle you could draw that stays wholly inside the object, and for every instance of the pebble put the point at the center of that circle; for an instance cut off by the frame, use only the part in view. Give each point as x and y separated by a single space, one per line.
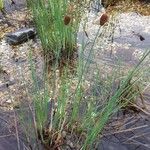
64 134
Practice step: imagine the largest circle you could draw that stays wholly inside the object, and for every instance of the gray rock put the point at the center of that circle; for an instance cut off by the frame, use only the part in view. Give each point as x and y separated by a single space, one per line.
96 6
20 36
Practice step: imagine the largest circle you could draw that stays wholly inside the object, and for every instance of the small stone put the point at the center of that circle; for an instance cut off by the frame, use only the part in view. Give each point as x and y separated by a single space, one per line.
20 36
64 134
9 101
70 144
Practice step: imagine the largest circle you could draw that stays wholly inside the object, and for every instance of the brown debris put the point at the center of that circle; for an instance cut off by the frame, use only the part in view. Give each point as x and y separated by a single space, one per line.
103 19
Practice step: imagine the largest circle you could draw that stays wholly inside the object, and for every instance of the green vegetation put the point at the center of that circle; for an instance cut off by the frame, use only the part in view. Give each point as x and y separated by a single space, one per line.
57 22
63 107
1 5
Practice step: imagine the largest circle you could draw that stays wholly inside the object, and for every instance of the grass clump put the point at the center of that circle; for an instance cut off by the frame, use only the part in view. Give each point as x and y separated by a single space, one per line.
68 113
57 22
72 112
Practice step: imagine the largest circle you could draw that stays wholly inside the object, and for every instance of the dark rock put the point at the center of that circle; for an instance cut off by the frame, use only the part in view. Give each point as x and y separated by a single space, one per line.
20 36
141 38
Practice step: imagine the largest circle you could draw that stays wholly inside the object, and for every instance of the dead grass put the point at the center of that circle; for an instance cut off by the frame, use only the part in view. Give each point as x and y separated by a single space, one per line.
130 6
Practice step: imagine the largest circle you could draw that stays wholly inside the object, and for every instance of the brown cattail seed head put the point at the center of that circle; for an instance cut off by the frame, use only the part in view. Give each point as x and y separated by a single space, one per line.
103 19
67 20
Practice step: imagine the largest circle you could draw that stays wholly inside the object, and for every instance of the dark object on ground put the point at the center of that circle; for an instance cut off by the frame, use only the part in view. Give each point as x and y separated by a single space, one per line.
12 2
20 36
141 38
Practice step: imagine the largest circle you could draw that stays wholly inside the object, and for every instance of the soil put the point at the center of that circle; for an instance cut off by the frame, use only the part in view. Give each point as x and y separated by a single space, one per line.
127 130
